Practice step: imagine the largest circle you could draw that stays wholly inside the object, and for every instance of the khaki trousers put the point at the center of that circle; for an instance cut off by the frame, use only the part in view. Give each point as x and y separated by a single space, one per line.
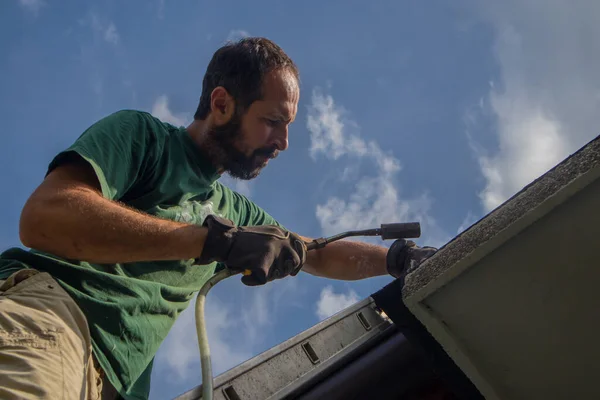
45 346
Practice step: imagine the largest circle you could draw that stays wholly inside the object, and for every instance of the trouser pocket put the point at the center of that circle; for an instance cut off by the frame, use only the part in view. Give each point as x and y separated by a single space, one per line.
45 347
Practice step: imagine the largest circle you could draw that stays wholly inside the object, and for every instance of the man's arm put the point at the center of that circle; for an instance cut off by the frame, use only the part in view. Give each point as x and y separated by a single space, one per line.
347 260
67 216
343 260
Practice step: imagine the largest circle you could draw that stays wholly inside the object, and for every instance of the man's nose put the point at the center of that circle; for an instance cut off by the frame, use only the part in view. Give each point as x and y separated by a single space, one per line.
281 138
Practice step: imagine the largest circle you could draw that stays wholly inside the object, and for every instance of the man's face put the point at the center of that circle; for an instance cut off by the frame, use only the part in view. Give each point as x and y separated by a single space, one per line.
248 141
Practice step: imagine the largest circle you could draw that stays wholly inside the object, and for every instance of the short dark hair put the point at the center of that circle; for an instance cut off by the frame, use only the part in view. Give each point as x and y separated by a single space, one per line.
239 67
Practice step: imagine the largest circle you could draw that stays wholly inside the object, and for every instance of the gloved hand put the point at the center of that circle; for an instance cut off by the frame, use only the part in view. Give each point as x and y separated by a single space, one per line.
404 256
268 251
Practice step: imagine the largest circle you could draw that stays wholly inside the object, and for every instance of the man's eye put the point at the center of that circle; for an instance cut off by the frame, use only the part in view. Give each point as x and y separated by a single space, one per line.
272 122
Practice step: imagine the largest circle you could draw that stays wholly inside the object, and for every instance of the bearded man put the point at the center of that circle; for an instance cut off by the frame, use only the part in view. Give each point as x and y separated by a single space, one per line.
131 220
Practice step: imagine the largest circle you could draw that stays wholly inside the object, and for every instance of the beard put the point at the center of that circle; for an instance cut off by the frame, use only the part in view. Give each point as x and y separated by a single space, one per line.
224 146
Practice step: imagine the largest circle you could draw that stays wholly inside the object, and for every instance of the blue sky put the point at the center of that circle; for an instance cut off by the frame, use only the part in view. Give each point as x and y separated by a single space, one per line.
435 113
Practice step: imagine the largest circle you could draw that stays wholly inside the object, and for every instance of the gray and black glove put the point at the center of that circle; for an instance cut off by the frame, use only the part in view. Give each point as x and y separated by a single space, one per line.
268 251
404 256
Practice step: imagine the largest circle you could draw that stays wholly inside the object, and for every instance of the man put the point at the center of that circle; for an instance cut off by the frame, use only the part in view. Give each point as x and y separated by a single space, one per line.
131 220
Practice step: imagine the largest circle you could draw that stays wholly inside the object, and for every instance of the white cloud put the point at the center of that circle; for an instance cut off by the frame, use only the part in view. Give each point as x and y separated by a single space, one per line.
33 6
330 302
107 31
101 29
328 127
237 34
547 98
92 55
376 198
110 34
161 9
469 220
97 85
161 110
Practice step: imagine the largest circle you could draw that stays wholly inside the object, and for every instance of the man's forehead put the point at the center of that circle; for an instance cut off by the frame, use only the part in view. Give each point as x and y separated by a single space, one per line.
281 109
281 94
280 84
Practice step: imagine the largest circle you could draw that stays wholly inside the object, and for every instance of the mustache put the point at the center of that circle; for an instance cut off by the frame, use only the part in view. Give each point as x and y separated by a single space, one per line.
270 152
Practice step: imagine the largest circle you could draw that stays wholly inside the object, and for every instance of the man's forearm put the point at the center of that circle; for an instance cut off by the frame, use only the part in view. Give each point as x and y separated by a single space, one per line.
347 260
78 223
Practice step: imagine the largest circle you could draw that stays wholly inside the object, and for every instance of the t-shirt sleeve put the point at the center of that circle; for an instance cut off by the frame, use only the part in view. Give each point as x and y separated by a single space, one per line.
120 148
252 214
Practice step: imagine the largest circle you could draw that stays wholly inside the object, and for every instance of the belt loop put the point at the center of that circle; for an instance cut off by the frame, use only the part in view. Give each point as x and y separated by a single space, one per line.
17 277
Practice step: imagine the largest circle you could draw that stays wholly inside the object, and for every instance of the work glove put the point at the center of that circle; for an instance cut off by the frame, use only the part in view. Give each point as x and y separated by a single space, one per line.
404 256
268 251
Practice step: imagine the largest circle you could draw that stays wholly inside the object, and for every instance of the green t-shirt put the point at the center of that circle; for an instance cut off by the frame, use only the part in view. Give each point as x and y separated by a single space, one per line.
154 167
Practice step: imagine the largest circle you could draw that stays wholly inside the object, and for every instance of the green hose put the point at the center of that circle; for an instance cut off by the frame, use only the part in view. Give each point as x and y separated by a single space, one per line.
207 378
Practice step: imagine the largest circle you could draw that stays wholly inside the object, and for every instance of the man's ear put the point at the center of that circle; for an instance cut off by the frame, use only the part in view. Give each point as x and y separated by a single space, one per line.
222 105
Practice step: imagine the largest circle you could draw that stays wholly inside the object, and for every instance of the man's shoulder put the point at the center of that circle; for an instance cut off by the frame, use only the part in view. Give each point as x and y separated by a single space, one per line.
228 193
133 123
243 210
132 115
